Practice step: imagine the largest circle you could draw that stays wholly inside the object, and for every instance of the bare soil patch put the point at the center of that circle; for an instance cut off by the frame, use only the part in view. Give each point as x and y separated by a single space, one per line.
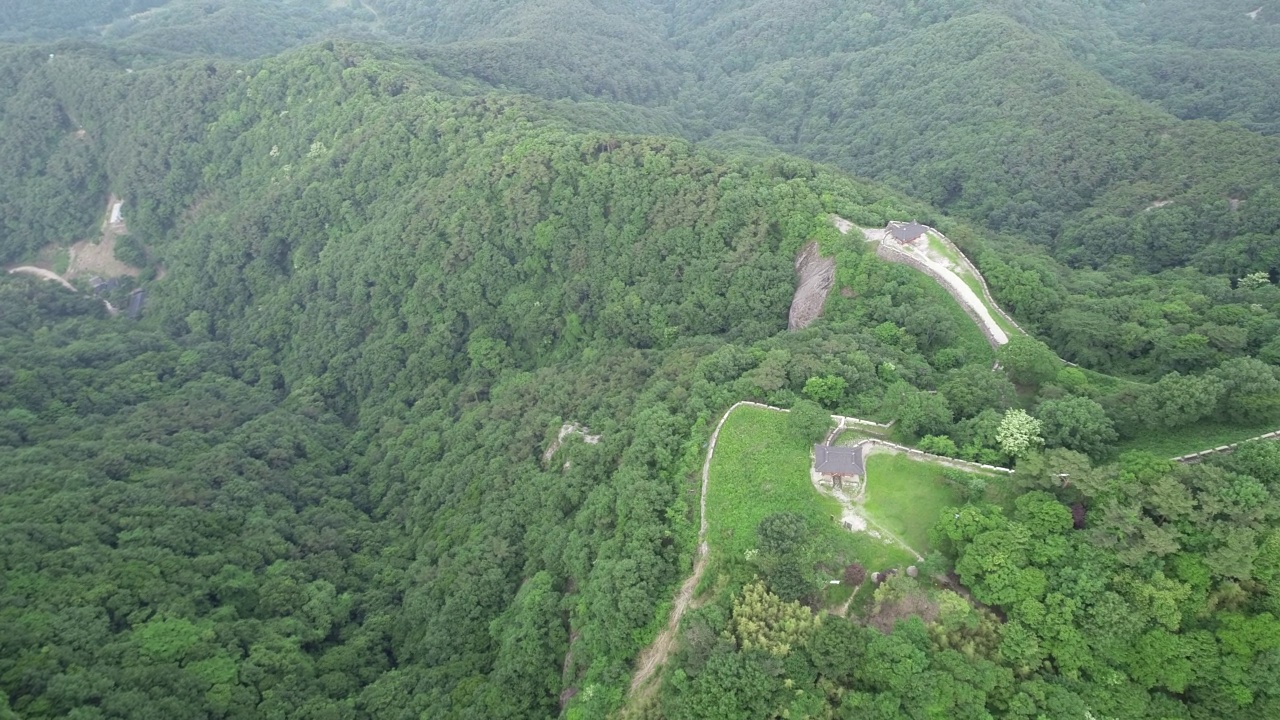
97 257
565 431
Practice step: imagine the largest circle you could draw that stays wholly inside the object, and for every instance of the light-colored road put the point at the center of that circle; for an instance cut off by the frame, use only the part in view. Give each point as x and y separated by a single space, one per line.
965 294
42 273
55 277
942 271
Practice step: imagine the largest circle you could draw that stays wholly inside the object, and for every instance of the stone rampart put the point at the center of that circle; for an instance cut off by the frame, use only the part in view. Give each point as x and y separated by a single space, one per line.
982 282
1224 449
887 251
940 459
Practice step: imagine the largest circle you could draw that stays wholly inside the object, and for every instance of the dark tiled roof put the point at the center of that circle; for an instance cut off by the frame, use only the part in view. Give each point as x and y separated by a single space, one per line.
905 232
838 460
103 286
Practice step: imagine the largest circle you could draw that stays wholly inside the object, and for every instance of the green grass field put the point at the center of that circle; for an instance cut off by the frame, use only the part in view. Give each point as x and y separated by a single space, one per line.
906 496
1194 438
760 468
62 261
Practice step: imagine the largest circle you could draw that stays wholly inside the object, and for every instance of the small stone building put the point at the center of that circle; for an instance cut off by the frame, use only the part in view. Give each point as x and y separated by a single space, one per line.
837 464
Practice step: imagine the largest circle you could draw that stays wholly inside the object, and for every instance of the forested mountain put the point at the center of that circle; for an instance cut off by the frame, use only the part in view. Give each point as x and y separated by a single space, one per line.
998 111
164 28
438 279
318 479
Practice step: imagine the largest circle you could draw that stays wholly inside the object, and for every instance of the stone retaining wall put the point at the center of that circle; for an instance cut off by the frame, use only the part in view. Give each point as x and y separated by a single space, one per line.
1224 449
887 251
986 291
940 459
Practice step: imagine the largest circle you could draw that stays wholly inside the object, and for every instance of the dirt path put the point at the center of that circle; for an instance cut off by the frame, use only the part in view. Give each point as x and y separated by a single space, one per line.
55 277
942 269
843 610
42 273
654 656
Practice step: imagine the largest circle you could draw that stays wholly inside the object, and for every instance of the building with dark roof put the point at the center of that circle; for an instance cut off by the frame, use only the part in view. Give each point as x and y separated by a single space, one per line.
102 287
906 233
839 463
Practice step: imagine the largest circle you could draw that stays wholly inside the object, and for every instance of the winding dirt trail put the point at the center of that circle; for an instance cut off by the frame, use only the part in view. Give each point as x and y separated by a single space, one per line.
654 656
55 277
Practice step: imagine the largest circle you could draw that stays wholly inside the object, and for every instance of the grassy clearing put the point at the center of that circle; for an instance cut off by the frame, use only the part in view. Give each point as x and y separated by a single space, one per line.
875 554
906 496
1194 438
761 468
62 261
833 596
854 434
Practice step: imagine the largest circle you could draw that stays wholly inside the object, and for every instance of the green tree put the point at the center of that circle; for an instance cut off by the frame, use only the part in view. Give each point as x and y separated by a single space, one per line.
1028 361
1076 423
533 640
973 388
763 621
827 389
1055 470
921 413
784 533
809 421
1252 390
938 445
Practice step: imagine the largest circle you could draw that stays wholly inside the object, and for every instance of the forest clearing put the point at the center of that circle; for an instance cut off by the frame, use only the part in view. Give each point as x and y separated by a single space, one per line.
762 468
97 256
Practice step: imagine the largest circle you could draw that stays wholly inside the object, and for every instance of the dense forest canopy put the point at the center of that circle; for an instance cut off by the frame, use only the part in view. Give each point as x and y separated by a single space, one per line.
392 250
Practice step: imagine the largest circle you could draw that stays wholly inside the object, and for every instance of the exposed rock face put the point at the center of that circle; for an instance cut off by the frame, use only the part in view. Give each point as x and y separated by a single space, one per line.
815 276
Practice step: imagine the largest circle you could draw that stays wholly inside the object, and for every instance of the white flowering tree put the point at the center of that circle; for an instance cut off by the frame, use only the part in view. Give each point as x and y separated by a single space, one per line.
1019 433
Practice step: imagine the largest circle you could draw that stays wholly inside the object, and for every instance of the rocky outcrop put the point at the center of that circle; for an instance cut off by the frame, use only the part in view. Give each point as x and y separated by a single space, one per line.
815 277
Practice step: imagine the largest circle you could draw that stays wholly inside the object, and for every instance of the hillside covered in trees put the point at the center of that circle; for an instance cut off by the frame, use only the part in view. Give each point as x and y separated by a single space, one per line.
391 248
